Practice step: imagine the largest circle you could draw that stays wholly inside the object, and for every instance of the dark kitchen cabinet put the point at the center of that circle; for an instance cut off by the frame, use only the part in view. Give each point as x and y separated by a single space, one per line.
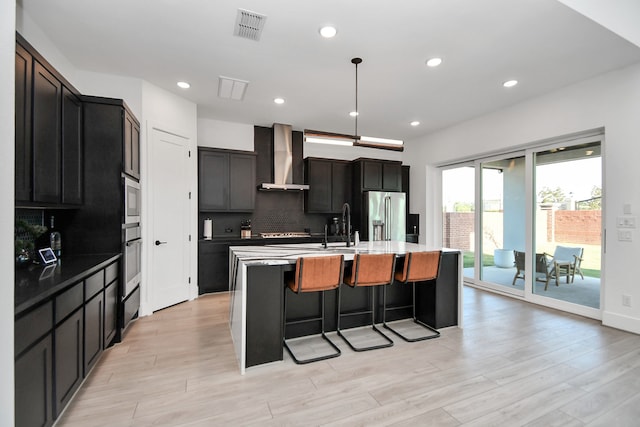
226 180
68 367
378 175
47 105
329 185
93 330
110 315
48 139
33 385
131 146
72 166
213 267
23 84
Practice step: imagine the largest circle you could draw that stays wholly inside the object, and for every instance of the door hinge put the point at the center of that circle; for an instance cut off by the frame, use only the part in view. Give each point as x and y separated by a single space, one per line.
189 195
189 153
189 279
189 237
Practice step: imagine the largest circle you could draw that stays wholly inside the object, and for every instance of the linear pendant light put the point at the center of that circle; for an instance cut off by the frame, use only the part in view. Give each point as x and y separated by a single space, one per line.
321 137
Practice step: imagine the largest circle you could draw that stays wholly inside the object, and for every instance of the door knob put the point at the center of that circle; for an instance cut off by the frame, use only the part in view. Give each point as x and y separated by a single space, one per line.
158 243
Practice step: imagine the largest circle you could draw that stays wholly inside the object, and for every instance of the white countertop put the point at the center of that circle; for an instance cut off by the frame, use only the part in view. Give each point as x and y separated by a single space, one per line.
288 253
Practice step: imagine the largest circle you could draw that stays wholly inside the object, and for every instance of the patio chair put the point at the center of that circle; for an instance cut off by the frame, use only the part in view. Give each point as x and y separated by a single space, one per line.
542 268
566 262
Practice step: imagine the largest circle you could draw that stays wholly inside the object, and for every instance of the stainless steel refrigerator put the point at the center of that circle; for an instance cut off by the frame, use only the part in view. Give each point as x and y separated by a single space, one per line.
385 214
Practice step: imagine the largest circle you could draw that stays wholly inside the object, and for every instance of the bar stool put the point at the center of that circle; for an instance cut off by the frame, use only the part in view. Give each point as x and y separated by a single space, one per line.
418 267
314 274
370 270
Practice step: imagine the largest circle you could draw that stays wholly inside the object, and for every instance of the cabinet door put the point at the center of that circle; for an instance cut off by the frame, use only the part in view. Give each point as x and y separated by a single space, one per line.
213 267
242 182
110 318
72 166
213 184
67 359
391 176
135 150
371 175
318 197
340 185
93 331
47 93
33 386
24 67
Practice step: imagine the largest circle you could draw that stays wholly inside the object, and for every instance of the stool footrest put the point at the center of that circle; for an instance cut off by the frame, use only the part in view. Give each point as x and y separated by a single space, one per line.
434 332
388 340
336 352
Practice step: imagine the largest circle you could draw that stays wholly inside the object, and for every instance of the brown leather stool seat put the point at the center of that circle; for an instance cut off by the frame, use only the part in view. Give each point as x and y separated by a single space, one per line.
370 270
418 267
314 274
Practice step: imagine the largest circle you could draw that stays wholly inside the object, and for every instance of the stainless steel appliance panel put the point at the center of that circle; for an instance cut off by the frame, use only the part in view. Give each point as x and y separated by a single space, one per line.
386 215
132 259
132 201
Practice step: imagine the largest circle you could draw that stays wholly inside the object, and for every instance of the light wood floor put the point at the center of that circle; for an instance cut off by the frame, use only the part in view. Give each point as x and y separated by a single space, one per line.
513 364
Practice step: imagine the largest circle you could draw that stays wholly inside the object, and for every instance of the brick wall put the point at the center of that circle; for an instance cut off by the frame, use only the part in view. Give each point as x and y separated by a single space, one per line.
577 227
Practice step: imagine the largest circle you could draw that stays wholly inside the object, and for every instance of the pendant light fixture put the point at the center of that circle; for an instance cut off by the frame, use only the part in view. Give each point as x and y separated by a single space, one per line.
321 137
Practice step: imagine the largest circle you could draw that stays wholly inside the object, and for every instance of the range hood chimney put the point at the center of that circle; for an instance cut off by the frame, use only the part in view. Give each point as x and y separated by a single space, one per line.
282 161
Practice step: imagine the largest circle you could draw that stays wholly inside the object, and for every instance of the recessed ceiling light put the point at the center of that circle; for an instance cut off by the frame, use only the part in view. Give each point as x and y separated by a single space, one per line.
414 123
510 83
354 113
184 85
434 62
328 32
279 100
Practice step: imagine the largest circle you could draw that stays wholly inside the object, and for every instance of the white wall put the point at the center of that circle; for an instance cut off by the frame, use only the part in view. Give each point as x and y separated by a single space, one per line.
228 135
109 86
7 173
611 101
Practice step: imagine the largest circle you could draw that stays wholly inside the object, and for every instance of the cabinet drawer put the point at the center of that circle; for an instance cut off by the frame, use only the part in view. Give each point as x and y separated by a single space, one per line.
68 301
31 327
93 284
111 273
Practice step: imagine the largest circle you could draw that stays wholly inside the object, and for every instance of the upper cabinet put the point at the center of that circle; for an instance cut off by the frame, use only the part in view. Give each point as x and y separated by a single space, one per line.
48 140
131 146
377 175
329 185
226 180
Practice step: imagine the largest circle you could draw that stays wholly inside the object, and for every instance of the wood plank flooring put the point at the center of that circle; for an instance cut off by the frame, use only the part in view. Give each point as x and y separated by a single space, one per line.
514 364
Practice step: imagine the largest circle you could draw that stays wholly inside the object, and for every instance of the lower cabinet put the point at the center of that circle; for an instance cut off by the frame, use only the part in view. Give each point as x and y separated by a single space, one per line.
93 331
213 267
68 369
58 342
33 386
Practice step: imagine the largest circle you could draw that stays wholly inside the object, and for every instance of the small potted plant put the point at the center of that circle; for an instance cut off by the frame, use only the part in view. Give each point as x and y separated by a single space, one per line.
24 247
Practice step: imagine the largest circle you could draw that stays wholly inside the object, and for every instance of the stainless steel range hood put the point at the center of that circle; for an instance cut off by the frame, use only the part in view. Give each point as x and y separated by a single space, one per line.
282 161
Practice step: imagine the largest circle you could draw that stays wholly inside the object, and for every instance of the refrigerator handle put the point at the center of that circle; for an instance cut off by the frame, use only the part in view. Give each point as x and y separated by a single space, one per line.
387 215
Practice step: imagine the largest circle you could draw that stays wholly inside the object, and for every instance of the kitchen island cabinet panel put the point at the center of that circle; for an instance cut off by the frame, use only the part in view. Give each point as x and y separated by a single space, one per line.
264 315
33 385
68 368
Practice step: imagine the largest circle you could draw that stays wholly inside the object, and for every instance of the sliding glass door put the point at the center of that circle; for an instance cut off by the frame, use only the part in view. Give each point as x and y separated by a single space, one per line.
568 223
530 223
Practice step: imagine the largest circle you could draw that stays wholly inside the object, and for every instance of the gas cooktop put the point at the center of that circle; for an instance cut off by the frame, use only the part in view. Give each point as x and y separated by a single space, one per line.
285 234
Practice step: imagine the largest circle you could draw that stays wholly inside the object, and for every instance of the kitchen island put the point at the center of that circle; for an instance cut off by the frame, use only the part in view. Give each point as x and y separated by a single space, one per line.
256 285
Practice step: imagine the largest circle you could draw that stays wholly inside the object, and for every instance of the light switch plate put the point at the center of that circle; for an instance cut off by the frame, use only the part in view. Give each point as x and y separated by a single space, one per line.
626 222
625 236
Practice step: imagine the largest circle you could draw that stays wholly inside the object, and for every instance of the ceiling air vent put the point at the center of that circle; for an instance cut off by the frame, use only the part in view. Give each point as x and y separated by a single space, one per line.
249 24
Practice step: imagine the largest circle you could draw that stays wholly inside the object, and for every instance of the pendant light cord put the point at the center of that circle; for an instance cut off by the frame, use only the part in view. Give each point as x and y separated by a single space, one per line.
356 61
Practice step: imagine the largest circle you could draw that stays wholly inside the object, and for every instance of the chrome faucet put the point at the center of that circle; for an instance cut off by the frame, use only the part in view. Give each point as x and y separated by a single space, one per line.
346 222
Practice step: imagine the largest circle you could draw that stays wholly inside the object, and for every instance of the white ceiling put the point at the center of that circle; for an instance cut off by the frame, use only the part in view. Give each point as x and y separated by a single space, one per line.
542 43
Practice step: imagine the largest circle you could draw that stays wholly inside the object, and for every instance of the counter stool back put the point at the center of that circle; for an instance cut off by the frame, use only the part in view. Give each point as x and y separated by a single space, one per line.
370 270
418 267
314 274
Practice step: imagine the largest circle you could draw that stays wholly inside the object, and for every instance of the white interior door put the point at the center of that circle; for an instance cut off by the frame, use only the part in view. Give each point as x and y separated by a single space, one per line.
169 187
